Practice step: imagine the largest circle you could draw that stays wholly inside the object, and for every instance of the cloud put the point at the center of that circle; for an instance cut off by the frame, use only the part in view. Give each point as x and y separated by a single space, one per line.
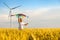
46 13
3 17
41 17
48 17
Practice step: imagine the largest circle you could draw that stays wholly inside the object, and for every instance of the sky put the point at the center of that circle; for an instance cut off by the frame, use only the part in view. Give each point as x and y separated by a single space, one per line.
42 13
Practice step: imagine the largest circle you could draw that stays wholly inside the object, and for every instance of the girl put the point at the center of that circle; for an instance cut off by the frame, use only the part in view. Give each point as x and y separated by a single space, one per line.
21 24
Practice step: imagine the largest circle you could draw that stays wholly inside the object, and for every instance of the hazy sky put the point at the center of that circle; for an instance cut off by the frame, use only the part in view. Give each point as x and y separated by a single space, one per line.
42 13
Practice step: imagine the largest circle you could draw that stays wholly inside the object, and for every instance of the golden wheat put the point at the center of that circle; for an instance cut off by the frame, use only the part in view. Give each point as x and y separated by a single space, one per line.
30 34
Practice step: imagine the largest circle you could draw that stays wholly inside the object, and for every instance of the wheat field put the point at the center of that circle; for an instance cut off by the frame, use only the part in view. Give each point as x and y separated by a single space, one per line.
30 34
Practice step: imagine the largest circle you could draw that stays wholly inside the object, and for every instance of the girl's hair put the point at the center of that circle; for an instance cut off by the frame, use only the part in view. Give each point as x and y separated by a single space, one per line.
19 20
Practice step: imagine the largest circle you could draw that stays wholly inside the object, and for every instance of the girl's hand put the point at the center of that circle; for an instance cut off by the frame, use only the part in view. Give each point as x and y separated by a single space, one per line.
26 24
